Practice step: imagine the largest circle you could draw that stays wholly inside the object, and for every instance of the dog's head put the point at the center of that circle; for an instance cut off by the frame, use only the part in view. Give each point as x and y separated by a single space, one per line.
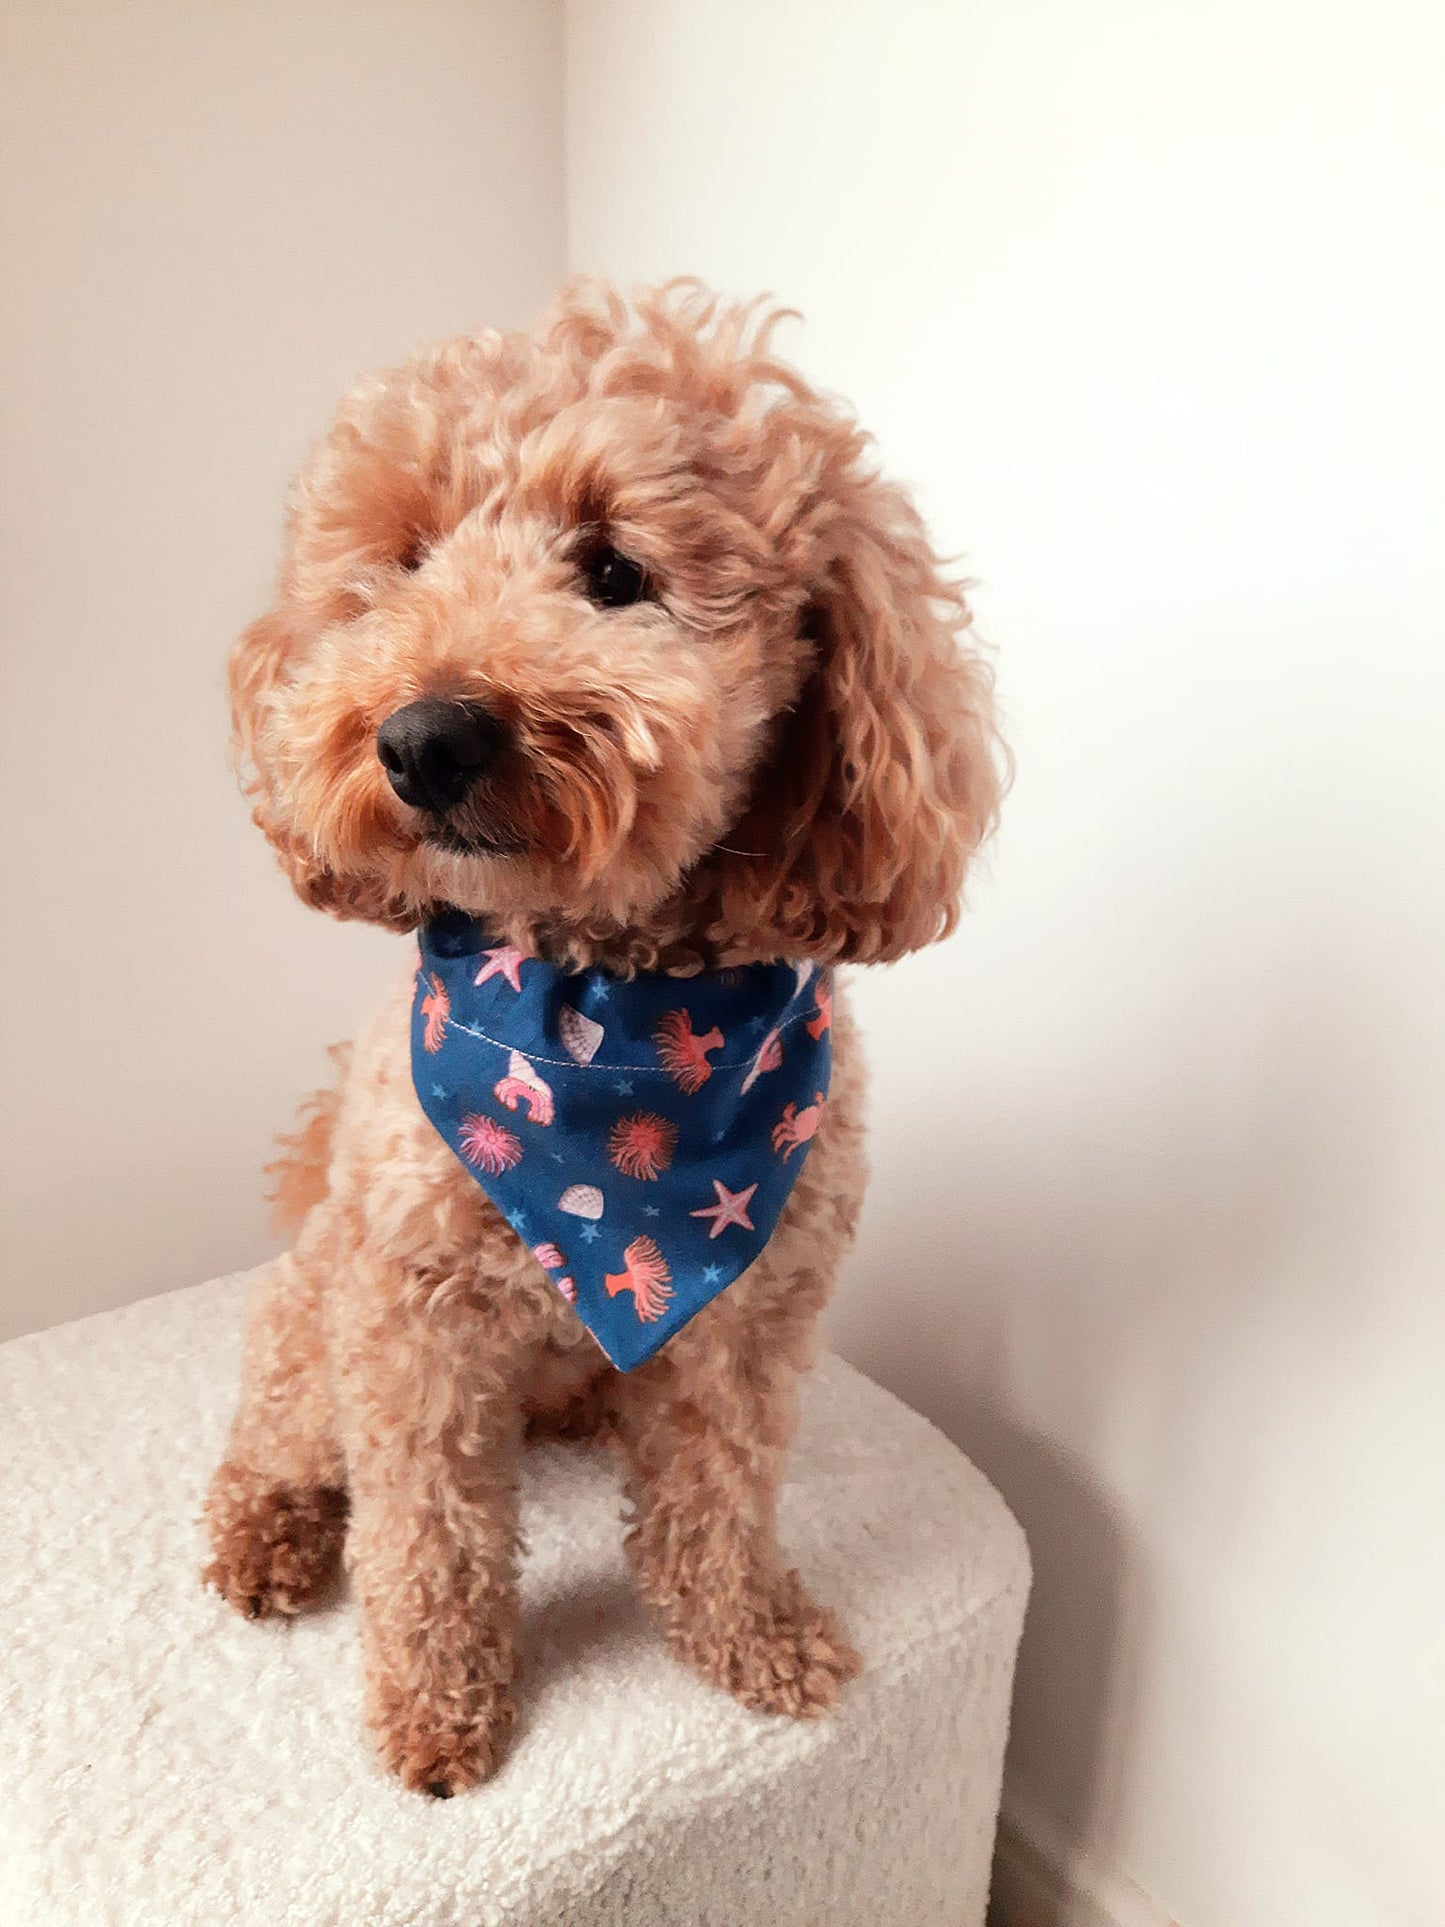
613 635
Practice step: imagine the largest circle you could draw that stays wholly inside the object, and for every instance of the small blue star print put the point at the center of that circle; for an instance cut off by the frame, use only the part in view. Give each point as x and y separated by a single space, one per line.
712 1274
590 1234
754 1025
558 1158
601 992
519 1221
437 1091
651 1211
623 1087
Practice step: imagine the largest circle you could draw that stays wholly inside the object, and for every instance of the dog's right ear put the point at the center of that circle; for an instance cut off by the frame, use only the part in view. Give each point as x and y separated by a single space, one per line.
258 666
257 661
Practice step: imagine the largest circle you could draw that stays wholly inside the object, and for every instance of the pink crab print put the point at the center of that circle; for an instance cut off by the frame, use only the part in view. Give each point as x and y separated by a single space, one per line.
436 1007
488 1144
796 1127
641 1146
684 1051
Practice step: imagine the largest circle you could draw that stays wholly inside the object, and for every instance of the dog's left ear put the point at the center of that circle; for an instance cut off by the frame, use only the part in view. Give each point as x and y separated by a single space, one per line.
888 774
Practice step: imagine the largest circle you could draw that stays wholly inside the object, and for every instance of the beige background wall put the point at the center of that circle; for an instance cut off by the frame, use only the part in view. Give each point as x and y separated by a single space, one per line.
212 217
1149 302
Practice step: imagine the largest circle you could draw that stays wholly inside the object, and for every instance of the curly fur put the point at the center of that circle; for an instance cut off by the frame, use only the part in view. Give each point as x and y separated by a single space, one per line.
787 750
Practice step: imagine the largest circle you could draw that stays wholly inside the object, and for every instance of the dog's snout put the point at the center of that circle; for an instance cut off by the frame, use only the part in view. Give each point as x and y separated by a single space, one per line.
434 751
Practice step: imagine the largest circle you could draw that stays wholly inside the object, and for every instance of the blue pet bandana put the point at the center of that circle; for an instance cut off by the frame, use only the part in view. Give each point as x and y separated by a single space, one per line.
642 1135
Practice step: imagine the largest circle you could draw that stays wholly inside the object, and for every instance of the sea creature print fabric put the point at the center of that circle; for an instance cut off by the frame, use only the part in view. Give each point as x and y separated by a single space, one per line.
640 1135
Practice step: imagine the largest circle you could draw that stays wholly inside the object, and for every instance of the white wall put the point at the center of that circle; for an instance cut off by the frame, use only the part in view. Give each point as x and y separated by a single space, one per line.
1148 301
212 217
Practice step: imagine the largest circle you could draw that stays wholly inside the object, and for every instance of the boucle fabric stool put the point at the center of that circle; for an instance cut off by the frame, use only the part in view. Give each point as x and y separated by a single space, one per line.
163 1763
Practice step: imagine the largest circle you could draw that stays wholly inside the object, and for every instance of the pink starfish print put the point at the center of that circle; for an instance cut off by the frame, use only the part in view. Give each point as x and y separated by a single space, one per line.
731 1208
504 961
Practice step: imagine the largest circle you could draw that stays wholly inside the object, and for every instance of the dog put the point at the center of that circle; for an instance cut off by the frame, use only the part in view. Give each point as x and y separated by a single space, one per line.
683 691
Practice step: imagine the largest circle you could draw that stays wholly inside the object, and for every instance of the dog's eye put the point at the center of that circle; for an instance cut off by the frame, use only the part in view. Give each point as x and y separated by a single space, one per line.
413 555
613 579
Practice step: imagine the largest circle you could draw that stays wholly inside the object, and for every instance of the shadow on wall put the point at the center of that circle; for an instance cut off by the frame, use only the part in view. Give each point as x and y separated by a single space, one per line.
1134 1249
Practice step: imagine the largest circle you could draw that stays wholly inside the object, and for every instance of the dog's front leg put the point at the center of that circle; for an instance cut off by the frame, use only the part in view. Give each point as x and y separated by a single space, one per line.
276 1510
703 1429
426 1392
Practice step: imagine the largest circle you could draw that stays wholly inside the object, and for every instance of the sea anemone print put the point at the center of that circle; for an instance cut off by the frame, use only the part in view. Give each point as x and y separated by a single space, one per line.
646 1277
490 1145
684 1052
641 1146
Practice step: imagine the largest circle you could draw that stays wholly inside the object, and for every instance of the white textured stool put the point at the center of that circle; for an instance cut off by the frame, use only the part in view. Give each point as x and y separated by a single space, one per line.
164 1764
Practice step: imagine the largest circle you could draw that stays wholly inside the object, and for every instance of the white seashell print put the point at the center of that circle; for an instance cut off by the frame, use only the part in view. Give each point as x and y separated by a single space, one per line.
524 1071
581 1201
580 1035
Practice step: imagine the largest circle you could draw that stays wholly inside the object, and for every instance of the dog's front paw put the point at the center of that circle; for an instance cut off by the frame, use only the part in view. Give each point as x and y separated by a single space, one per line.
442 1752
777 1651
275 1549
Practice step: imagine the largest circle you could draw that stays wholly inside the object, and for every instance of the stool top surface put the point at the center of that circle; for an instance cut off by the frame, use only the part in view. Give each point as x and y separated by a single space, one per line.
149 1736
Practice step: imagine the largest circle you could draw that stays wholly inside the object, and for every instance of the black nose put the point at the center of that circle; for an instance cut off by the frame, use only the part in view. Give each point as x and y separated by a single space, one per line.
433 751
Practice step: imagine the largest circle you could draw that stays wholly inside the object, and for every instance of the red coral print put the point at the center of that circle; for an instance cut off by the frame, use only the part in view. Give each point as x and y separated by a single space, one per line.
646 1277
641 1146
436 1007
822 1017
489 1144
683 1052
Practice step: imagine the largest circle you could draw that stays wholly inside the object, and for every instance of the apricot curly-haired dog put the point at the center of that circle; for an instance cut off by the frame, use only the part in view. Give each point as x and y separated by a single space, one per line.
700 695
